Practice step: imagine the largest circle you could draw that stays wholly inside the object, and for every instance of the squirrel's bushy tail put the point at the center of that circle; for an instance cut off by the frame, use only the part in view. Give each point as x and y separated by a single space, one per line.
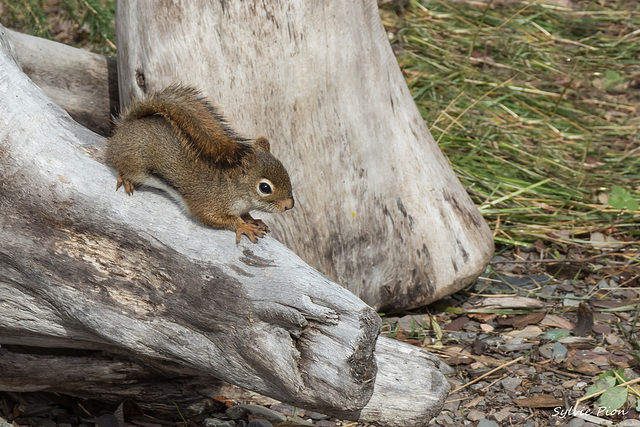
201 128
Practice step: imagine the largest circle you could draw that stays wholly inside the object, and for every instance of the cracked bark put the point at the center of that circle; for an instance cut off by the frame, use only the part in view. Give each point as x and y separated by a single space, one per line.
133 291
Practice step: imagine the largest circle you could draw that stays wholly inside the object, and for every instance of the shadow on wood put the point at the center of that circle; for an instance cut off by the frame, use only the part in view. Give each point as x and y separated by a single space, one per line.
83 267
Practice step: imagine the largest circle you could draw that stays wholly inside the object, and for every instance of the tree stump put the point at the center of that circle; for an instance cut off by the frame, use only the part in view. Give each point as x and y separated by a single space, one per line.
378 208
135 290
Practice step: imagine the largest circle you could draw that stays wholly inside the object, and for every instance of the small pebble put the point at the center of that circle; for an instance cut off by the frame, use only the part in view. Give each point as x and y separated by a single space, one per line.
502 414
326 423
445 419
510 383
475 415
316 415
215 422
576 422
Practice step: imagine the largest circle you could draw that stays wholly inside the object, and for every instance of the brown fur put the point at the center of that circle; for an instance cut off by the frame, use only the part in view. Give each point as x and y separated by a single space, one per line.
201 128
176 140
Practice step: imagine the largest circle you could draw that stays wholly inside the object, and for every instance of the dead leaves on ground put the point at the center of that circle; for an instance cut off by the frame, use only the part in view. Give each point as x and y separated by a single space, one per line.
525 343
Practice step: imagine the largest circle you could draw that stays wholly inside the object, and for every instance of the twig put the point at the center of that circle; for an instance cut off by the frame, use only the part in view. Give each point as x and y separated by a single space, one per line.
487 374
498 379
459 400
555 371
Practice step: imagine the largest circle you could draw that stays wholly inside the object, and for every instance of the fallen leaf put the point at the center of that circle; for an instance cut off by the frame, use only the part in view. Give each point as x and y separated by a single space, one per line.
224 400
620 359
521 321
583 367
555 321
578 342
530 331
612 304
486 328
559 352
478 346
482 317
603 239
584 324
474 402
459 360
602 329
457 324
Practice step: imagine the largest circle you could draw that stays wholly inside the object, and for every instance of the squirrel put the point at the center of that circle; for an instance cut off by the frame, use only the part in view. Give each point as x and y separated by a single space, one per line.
176 140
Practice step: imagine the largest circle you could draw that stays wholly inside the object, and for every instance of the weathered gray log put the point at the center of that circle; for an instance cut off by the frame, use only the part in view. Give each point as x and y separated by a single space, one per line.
116 379
83 83
410 292
84 267
378 208
108 378
400 368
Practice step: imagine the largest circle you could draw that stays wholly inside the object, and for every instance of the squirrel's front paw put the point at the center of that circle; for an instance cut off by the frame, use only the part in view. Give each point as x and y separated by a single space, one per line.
255 221
128 185
253 229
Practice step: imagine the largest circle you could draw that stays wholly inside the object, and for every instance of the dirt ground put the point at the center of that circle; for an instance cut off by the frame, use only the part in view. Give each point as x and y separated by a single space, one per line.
535 341
545 337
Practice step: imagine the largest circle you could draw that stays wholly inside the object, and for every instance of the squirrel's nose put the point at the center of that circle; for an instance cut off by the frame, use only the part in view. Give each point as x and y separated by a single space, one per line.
288 204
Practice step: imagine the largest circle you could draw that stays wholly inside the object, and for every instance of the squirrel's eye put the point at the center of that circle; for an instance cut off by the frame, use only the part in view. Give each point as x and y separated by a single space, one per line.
265 188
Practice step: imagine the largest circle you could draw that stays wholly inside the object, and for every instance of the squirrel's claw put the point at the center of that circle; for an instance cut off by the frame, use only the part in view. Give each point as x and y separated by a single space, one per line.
128 185
252 229
257 222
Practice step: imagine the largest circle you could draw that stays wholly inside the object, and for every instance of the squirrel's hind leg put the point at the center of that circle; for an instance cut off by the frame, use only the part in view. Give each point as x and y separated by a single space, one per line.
129 186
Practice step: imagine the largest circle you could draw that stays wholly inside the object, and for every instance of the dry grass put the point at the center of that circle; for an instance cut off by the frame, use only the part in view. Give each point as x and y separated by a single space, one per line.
536 107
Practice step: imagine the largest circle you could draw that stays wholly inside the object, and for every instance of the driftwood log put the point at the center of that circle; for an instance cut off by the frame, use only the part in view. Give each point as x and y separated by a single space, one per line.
443 240
378 208
133 289
83 83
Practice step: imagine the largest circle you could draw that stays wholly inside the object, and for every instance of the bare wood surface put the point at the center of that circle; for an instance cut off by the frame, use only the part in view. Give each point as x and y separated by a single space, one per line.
106 377
378 208
87 267
117 378
83 83
413 373
83 267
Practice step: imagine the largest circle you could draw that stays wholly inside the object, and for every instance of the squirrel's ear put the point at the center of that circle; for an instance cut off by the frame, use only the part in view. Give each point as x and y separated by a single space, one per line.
262 143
